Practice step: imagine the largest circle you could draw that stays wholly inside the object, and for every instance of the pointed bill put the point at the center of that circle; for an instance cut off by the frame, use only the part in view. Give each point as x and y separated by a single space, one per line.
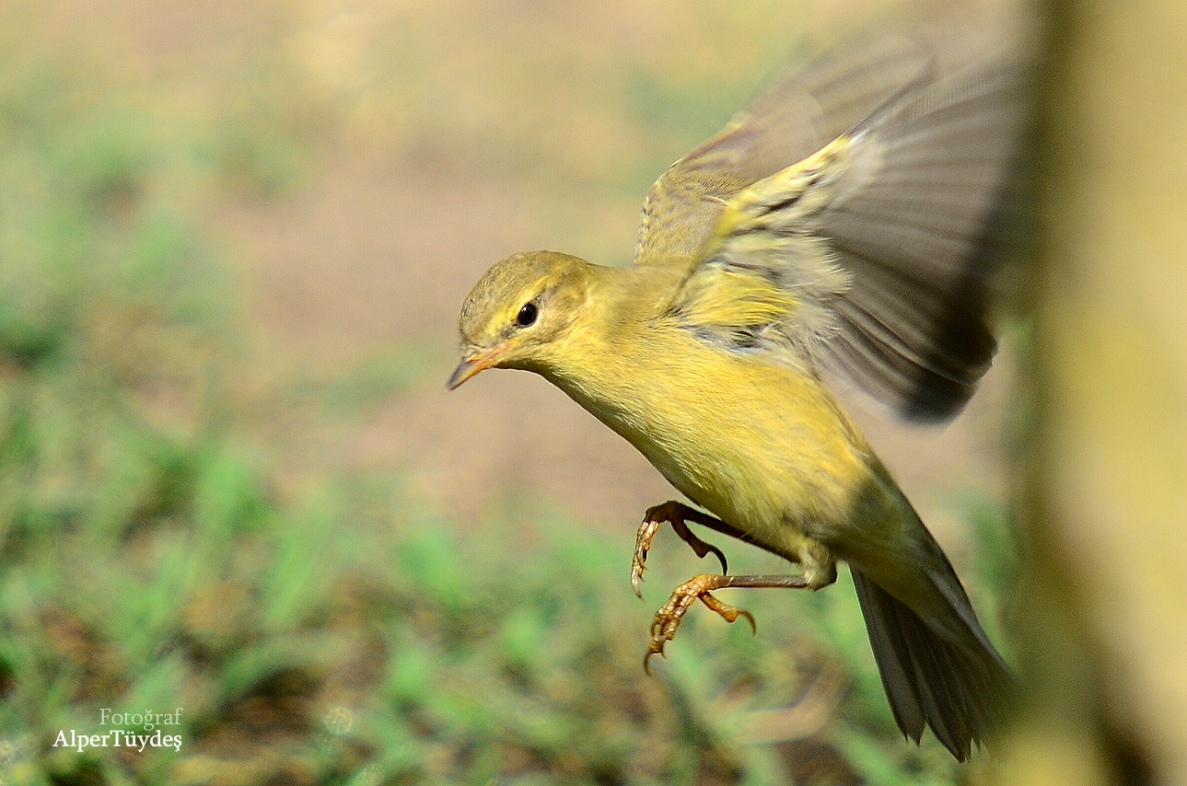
471 365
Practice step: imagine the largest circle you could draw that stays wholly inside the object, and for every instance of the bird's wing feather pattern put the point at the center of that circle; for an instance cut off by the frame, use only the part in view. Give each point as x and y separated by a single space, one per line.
784 124
880 244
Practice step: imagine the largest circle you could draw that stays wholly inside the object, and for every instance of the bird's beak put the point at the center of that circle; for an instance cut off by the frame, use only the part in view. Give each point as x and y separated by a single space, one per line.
471 365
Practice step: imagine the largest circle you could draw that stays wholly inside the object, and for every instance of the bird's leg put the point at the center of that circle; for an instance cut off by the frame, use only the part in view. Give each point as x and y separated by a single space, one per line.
676 514
667 619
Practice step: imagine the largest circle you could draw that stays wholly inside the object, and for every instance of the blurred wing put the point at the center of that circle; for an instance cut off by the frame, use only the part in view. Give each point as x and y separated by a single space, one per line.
873 255
782 125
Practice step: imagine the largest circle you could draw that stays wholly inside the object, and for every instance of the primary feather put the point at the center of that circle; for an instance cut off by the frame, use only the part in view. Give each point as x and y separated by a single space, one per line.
784 124
882 235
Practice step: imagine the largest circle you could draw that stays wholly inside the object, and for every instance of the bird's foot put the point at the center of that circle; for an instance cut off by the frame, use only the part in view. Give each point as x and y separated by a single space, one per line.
667 619
676 514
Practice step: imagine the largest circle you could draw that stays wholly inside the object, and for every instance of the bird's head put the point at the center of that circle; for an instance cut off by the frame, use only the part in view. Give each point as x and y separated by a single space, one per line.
517 310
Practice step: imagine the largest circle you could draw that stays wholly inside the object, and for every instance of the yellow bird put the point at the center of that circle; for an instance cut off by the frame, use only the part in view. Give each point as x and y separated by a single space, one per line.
841 226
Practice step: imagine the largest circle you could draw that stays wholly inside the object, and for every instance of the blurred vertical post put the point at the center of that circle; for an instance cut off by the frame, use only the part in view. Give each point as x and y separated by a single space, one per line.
1105 615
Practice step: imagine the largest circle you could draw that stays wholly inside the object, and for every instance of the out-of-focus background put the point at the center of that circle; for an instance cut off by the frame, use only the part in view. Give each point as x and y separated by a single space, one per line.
234 239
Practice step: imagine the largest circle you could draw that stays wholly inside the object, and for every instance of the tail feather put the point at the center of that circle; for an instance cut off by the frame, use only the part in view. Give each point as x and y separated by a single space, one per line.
959 688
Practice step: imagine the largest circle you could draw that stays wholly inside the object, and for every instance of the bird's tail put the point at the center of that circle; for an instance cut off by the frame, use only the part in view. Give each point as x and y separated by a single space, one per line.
951 680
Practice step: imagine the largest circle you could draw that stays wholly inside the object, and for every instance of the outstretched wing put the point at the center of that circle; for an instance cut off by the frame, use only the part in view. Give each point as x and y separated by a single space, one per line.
784 124
872 255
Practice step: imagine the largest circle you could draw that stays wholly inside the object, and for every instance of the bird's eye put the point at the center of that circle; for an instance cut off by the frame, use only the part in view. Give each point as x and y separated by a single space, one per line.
527 315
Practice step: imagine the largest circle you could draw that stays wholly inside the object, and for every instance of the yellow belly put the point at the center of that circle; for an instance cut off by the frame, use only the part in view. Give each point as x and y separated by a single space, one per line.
764 448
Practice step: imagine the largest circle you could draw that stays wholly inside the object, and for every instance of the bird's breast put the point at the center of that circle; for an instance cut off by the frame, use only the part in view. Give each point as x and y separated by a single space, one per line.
763 447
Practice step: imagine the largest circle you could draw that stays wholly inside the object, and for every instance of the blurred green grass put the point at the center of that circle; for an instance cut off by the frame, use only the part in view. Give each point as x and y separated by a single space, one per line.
337 633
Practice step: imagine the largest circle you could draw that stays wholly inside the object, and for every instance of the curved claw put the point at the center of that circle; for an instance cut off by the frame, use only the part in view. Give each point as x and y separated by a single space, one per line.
647 659
711 549
699 547
749 618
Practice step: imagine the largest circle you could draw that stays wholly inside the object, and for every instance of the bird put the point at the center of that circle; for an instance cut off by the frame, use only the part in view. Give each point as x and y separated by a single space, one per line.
842 229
